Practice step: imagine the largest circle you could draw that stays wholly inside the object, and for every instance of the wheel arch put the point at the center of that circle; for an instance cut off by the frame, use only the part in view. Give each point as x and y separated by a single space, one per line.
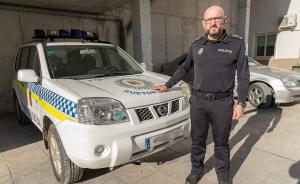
265 82
46 124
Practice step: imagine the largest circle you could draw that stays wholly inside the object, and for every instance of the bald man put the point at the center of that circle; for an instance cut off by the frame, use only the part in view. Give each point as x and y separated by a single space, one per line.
215 58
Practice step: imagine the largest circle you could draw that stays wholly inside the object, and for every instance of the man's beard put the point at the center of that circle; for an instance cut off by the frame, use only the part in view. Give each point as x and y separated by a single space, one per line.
214 33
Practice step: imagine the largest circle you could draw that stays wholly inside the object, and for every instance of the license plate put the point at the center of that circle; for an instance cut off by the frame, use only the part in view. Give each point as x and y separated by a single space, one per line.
151 142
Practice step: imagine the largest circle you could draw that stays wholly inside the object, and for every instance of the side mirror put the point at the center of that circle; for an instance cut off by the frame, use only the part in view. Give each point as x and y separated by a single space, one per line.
147 66
144 66
27 75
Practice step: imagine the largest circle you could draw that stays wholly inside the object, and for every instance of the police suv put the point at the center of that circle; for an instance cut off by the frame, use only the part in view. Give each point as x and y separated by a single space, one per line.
93 103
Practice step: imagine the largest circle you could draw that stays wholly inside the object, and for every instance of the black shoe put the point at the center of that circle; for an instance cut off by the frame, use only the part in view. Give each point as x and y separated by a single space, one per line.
193 178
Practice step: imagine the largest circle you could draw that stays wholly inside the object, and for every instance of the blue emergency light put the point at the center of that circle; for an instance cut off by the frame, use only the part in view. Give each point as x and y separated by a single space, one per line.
63 33
75 33
39 34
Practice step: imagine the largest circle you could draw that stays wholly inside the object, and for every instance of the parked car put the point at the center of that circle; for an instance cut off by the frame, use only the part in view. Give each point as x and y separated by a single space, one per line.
268 85
93 104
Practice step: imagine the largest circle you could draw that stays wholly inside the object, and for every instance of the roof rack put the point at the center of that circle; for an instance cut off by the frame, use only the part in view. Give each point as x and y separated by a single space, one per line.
41 36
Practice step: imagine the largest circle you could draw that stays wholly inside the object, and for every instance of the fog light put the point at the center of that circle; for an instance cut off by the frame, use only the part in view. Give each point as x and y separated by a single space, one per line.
99 150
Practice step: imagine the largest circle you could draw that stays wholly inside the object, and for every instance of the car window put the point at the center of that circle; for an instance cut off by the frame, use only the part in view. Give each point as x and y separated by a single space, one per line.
95 56
24 58
34 61
18 58
116 60
181 59
252 62
83 61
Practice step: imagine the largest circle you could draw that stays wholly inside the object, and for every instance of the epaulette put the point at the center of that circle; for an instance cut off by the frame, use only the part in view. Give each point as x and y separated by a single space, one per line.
200 40
237 36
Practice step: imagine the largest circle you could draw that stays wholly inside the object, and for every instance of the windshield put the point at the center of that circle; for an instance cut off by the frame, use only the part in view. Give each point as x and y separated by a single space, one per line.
83 62
252 62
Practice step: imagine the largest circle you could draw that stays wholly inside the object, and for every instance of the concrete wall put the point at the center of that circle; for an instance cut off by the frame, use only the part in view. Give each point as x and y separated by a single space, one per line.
265 16
17 28
175 24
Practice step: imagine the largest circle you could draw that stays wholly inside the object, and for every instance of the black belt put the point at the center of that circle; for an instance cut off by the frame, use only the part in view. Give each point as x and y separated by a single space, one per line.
211 96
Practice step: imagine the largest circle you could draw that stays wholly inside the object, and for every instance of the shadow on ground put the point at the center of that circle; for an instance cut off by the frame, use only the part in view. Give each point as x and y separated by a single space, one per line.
94 173
177 150
295 171
289 104
262 122
13 135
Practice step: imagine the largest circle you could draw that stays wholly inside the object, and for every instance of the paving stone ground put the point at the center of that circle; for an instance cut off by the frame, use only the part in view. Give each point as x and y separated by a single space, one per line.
265 149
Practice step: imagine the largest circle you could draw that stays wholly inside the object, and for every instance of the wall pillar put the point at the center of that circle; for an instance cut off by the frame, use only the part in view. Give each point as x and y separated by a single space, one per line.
141 22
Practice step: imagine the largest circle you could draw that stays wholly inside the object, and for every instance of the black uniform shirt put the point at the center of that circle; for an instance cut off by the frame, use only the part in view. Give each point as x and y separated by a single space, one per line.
215 64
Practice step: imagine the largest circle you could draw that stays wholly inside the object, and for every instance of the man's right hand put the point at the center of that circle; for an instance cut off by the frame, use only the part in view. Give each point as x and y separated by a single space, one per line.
160 88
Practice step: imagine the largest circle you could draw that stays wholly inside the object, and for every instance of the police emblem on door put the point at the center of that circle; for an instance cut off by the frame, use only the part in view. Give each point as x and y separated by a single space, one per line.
200 51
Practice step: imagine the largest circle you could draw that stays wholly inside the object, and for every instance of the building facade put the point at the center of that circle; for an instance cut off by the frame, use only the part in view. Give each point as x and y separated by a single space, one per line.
153 31
274 32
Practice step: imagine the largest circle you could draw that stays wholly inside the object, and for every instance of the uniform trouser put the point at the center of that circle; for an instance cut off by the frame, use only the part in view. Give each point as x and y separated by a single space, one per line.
218 114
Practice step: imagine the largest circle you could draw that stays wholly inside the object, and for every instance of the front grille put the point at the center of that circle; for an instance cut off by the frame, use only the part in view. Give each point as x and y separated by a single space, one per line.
161 110
147 113
175 106
144 114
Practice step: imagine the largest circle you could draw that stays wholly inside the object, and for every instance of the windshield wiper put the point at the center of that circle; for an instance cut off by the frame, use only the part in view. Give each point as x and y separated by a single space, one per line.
80 77
112 74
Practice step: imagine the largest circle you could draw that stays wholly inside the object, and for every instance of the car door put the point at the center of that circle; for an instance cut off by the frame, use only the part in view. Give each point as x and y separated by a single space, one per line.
34 100
21 87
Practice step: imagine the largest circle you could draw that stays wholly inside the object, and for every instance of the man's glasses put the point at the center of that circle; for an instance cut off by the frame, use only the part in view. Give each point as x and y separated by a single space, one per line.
214 19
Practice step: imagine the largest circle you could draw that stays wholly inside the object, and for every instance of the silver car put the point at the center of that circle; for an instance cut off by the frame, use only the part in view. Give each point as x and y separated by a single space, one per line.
272 85
268 85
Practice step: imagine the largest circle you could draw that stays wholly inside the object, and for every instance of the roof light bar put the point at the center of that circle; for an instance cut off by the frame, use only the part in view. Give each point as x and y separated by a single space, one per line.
51 33
63 33
75 33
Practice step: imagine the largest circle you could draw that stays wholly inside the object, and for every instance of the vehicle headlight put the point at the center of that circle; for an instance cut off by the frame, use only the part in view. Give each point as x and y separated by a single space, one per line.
288 82
185 89
101 111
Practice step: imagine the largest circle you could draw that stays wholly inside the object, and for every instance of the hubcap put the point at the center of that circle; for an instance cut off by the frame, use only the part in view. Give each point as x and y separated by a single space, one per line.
55 154
255 96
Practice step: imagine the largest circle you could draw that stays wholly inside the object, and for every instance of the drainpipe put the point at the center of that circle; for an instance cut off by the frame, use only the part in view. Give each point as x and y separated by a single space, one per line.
247 25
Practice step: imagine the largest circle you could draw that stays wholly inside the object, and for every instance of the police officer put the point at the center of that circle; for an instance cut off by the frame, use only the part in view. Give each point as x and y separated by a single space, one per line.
216 57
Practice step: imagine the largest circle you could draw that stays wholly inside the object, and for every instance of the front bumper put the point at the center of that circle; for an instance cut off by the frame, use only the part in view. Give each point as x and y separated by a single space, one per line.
287 96
124 142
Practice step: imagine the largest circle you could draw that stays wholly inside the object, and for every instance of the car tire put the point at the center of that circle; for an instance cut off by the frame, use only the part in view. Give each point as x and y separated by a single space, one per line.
21 116
260 95
64 169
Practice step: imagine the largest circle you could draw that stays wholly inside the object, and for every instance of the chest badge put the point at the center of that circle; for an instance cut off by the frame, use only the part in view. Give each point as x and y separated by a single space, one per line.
200 51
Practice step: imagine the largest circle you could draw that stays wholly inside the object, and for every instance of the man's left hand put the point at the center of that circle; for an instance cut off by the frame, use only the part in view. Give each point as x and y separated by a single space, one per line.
238 112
